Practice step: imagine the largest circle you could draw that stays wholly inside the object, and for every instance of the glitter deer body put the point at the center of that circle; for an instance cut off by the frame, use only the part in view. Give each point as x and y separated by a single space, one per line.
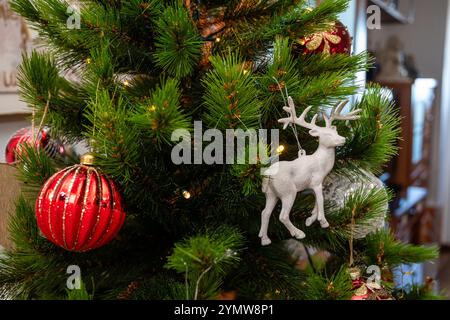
283 180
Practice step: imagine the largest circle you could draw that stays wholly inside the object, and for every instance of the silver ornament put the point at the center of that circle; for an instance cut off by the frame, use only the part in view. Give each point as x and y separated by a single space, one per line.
337 188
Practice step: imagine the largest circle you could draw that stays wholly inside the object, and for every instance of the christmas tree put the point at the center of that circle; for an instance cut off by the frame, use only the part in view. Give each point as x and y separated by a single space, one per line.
126 77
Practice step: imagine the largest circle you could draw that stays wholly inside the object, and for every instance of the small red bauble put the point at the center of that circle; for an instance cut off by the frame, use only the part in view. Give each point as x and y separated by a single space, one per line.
40 140
22 137
361 292
334 41
80 209
369 291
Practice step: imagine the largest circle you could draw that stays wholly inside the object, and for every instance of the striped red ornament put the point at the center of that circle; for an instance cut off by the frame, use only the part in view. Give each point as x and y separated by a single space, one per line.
40 139
80 209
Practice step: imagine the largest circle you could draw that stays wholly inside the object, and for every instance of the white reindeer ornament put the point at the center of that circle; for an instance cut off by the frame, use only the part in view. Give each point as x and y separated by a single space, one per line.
283 180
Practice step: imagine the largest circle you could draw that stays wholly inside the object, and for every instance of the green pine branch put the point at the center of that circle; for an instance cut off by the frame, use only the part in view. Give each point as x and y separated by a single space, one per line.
178 44
230 97
34 168
205 259
282 279
296 23
42 86
374 136
382 248
160 115
336 287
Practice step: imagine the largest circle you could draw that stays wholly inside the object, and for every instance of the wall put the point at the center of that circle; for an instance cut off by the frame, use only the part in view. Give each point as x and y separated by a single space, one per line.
9 193
15 38
425 39
444 170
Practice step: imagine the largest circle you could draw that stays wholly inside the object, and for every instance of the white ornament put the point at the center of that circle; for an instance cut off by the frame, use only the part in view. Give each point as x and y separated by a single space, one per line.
283 180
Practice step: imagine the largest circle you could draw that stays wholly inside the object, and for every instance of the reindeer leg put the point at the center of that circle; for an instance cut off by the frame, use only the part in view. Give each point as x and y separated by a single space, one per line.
313 217
288 202
321 212
271 201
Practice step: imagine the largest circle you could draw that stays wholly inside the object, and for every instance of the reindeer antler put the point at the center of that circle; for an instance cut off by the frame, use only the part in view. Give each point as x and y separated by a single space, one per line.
297 120
336 114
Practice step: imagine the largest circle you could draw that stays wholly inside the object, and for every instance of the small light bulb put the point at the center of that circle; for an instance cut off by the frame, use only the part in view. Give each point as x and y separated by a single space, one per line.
126 83
186 194
246 71
280 149
218 39
88 61
153 108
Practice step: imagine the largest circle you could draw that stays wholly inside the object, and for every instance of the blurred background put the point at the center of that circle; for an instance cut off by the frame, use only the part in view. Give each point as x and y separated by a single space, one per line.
410 40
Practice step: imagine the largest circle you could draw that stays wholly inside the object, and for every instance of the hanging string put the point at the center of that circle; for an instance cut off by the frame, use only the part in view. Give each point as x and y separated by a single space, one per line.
310 260
41 124
293 127
260 121
197 284
33 127
35 133
186 281
92 140
352 230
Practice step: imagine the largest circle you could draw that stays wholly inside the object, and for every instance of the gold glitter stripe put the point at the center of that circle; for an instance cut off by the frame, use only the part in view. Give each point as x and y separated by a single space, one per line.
66 202
83 210
111 207
42 194
53 196
99 198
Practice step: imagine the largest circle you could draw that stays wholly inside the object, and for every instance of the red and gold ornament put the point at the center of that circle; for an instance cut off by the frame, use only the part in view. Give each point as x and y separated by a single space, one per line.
337 40
80 209
367 290
210 23
40 139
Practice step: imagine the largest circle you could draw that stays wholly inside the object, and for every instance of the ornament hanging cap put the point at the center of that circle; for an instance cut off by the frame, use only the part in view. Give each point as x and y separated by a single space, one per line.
87 159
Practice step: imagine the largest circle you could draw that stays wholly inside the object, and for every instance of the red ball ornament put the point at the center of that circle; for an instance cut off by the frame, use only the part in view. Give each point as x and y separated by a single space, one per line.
369 291
80 209
334 41
361 292
40 139
22 137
